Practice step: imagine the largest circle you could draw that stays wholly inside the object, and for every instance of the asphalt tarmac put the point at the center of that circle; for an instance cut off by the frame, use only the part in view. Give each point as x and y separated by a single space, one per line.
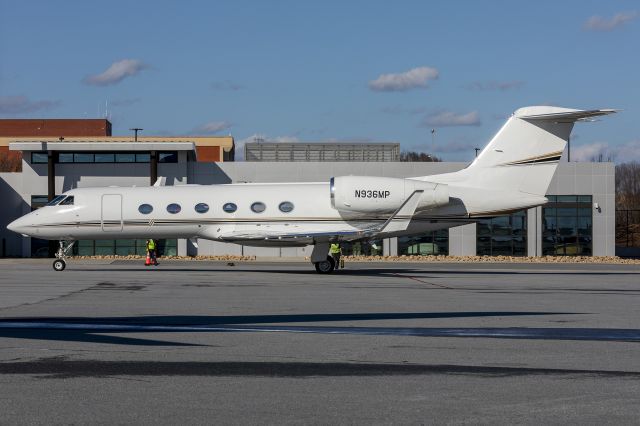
276 343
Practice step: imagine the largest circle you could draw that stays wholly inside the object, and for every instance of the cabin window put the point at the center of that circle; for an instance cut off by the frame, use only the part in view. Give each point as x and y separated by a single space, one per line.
202 207
229 207
145 208
67 201
174 208
56 200
258 207
286 207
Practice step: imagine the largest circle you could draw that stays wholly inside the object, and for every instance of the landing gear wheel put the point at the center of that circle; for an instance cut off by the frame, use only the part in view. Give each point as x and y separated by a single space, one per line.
59 265
326 266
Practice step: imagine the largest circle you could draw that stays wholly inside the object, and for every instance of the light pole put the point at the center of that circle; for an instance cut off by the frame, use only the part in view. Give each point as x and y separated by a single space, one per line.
135 133
477 150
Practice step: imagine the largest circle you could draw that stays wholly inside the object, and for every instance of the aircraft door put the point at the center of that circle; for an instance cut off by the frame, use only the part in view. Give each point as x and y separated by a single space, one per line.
111 218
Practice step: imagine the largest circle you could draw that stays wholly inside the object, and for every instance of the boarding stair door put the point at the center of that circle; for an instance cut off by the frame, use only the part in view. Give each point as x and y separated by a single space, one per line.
111 218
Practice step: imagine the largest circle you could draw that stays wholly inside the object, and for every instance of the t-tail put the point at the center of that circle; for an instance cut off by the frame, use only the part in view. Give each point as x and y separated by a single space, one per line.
520 160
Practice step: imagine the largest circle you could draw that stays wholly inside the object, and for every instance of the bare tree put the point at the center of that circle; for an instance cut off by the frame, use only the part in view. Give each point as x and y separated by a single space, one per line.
10 161
418 156
628 204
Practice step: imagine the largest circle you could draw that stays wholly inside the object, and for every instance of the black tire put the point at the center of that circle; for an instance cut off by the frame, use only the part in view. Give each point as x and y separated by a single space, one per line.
325 267
59 265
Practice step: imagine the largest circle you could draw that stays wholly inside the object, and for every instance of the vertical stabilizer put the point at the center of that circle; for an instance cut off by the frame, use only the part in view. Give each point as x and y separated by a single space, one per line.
524 154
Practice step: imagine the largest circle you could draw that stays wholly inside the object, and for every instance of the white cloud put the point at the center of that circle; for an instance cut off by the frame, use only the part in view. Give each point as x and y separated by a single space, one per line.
495 85
451 119
398 109
116 72
400 82
599 23
619 153
22 105
212 127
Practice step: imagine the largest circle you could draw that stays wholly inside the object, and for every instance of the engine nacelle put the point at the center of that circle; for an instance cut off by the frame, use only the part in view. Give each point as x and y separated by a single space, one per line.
370 194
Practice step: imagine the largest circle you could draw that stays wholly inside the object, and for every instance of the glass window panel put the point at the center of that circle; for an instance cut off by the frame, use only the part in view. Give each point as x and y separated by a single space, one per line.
82 157
67 201
567 198
549 223
567 211
53 202
585 211
500 226
104 158
105 243
39 157
584 198
167 157
65 157
584 226
484 227
567 225
125 158
104 251
496 236
144 157
84 248
125 250
548 211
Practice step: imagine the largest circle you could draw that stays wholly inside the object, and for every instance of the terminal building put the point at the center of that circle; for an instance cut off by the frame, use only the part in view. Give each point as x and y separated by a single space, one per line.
578 220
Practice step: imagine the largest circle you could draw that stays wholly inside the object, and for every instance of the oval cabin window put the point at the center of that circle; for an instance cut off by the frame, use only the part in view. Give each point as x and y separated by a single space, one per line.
202 207
258 207
174 208
229 207
286 207
145 208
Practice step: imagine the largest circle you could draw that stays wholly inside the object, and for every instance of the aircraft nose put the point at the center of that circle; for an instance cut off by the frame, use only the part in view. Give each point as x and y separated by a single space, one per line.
19 225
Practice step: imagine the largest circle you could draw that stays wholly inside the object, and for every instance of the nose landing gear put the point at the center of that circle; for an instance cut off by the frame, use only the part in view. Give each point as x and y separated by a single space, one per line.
65 246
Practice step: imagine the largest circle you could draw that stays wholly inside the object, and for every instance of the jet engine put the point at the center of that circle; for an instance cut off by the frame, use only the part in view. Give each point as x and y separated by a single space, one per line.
369 194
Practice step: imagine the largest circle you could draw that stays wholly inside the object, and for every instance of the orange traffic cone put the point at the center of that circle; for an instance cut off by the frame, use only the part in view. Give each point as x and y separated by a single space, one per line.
147 262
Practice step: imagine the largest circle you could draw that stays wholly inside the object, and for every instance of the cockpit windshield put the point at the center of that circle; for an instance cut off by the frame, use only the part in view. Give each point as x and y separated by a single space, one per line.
67 201
56 200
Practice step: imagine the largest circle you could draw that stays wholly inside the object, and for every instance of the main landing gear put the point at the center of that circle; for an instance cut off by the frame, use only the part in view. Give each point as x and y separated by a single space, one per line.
324 264
65 246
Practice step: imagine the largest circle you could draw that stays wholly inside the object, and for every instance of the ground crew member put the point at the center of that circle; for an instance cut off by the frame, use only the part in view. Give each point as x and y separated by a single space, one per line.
335 251
151 253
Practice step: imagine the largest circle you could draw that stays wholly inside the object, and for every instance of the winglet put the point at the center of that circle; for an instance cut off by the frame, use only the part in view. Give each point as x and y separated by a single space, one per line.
400 219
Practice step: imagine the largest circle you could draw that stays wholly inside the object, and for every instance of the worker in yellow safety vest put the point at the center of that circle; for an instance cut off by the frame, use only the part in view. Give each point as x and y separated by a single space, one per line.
151 253
335 251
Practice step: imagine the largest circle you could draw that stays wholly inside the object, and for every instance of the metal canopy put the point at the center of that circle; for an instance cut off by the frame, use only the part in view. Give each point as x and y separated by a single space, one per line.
101 146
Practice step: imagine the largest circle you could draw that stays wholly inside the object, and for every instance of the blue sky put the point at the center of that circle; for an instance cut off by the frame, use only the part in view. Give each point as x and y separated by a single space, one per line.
326 71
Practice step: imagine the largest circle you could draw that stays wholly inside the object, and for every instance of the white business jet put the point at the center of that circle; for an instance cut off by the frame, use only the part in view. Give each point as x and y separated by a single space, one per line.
511 173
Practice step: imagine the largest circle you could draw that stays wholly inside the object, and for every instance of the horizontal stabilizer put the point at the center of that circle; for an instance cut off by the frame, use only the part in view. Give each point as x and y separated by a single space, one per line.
561 115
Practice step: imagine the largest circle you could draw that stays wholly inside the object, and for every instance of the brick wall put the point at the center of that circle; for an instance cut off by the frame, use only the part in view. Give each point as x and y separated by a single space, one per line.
54 127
